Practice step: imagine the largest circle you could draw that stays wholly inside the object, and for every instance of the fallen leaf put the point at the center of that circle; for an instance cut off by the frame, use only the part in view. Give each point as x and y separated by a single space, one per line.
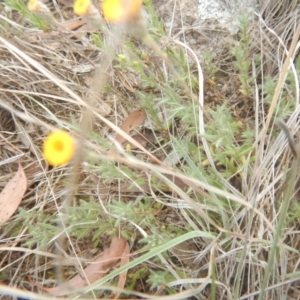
12 195
135 119
177 181
73 24
122 278
93 272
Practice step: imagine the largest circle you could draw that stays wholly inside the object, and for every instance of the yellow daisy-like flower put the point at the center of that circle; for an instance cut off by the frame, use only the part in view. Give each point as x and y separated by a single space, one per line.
117 11
82 7
58 148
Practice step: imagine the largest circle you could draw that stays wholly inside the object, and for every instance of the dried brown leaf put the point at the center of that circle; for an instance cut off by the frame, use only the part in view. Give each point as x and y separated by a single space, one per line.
72 24
123 276
12 195
135 119
177 181
93 272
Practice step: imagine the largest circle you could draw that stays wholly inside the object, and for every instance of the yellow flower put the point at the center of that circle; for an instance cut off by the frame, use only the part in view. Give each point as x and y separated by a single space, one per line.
117 11
58 148
32 5
89 12
37 6
82 7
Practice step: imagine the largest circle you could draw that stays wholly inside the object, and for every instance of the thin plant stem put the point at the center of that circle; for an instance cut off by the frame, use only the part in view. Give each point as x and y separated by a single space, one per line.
290 184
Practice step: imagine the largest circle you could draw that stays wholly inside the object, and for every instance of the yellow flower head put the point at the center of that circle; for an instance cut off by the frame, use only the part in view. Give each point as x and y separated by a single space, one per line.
32 5
37 6
58 148
117 11
82 7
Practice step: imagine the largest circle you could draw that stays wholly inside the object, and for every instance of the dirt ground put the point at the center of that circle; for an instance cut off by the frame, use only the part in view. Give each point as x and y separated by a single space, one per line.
202 24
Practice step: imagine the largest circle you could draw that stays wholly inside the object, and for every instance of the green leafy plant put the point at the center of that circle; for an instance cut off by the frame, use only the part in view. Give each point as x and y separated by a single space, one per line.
242 61
223 133
35 20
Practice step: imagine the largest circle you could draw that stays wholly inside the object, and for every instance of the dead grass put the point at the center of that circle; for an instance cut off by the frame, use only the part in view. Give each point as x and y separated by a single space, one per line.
155 192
